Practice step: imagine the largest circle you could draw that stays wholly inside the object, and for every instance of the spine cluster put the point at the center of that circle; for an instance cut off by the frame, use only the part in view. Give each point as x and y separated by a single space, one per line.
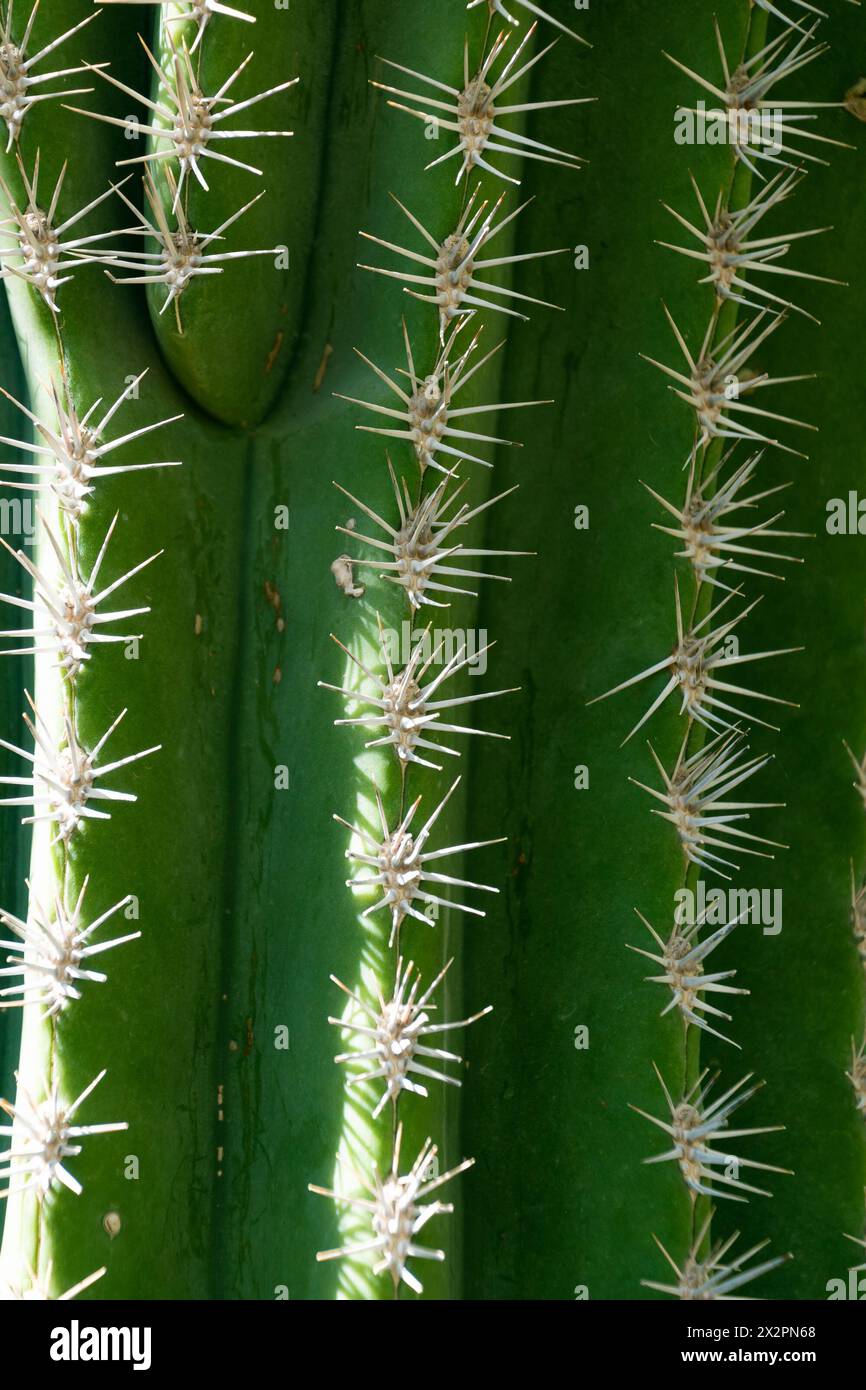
729 533
425 549
68 781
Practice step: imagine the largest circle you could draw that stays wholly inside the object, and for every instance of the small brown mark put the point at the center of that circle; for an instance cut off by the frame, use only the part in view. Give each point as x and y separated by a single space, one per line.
521 861
341 569
323 367
274 352
111 1224
274 598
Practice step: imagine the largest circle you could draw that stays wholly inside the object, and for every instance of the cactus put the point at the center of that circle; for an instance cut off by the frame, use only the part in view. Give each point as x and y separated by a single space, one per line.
286 528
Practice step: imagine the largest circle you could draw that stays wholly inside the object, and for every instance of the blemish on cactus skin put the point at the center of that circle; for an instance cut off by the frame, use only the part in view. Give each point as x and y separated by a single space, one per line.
327 354
274 353
397 1213
341 569
473 113
694 1124
391 1047
274 598
46 1139
111 1224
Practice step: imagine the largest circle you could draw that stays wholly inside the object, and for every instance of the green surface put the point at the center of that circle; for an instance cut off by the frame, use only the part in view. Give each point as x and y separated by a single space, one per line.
243 907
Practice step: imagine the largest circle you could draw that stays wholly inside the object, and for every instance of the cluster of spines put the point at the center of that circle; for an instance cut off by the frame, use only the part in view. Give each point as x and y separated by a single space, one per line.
724 545
70 616
185 124
423 550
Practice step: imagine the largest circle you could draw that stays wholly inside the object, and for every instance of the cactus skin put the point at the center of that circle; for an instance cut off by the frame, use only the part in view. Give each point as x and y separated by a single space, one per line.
218 986
243 911
602 1224
142 1023
570 902
312 441
811 999
267 313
